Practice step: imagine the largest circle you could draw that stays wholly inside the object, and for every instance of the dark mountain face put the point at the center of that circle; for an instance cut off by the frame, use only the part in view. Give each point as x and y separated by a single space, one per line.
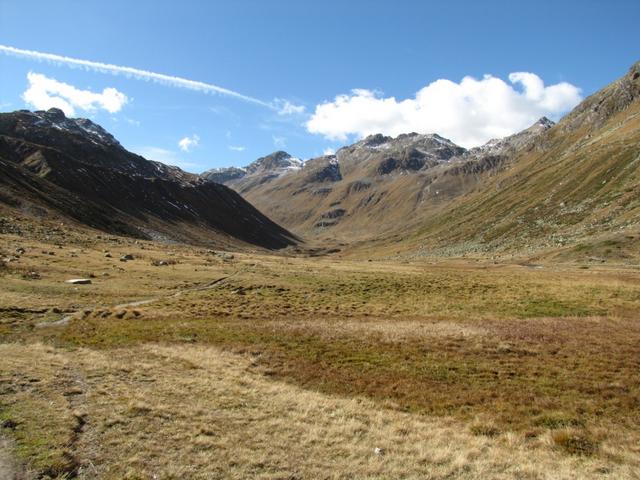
76 168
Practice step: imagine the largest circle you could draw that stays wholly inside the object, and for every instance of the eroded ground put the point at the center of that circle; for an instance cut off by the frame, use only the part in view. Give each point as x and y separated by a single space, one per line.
265 366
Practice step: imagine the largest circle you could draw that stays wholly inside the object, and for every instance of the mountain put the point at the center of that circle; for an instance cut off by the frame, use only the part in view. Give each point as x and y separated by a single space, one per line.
264 169
569 191
74 168
375 186
574 194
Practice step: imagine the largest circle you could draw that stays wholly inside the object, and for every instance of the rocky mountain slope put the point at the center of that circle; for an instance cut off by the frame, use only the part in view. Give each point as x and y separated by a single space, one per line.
264 169
374 186
570 189
574 195
74 168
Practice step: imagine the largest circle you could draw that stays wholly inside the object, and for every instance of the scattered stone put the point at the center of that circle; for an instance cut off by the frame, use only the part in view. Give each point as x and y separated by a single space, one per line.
107 255
126 258
378 451
159 263
20 251
9 424
31 275
226 256
79 281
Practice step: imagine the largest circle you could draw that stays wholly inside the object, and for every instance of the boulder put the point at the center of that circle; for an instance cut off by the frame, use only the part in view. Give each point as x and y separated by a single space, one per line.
79 281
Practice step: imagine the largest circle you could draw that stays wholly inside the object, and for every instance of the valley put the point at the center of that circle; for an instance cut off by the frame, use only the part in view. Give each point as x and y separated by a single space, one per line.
271 365
401 308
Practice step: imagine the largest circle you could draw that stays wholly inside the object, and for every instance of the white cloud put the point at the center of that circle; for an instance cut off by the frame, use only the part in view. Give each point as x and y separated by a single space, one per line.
285 107
168 157
469 113
187 144
237 148
279 142
44 93
130 72
328 151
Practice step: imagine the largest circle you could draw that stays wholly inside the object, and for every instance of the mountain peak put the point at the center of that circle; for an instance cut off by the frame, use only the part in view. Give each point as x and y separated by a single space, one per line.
545 122
55 115
44 123
273 165
276 162
375 140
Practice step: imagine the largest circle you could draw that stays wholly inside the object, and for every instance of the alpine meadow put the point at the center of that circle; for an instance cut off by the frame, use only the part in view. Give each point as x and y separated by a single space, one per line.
440 281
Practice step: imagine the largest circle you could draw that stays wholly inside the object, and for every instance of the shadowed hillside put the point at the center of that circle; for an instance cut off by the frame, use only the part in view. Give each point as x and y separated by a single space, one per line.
76 169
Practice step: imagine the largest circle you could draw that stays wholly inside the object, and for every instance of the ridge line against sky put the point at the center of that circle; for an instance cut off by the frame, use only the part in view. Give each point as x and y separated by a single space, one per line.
136 73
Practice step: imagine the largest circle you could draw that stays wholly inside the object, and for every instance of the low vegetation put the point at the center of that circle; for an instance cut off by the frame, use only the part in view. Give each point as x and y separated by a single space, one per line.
187 363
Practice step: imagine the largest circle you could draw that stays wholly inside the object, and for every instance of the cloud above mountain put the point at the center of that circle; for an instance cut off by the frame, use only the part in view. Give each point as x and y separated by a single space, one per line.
469 113
44 93
187 144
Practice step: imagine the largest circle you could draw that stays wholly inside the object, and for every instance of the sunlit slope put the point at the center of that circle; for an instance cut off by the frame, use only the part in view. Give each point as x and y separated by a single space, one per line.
578 186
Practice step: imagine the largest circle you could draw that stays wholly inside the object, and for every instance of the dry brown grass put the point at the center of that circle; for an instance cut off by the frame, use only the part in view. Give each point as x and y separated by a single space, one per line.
197 412
299 367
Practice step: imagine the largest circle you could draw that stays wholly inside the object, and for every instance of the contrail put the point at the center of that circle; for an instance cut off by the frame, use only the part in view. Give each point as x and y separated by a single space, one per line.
132 73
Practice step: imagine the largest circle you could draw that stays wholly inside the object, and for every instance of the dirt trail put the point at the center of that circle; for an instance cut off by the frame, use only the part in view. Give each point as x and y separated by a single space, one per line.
214 283
9 468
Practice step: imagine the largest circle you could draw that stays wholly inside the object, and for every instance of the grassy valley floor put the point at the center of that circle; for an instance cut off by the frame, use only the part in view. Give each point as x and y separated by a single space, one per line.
184 363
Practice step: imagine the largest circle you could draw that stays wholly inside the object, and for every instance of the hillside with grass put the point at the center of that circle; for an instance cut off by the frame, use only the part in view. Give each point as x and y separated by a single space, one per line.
575 196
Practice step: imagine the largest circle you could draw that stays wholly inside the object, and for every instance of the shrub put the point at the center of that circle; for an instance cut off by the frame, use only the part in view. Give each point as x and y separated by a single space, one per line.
574 443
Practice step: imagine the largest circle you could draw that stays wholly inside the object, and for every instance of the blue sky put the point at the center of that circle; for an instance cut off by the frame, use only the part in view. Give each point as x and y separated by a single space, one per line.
326 72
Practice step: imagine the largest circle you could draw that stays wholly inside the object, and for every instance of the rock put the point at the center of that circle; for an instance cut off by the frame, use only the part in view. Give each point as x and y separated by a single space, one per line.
126 257
55 115
20 251
226 256
107 255
378 451
79 281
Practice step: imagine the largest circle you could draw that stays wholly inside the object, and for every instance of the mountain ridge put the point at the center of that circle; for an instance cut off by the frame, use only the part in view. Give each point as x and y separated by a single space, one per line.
75 168
354 192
